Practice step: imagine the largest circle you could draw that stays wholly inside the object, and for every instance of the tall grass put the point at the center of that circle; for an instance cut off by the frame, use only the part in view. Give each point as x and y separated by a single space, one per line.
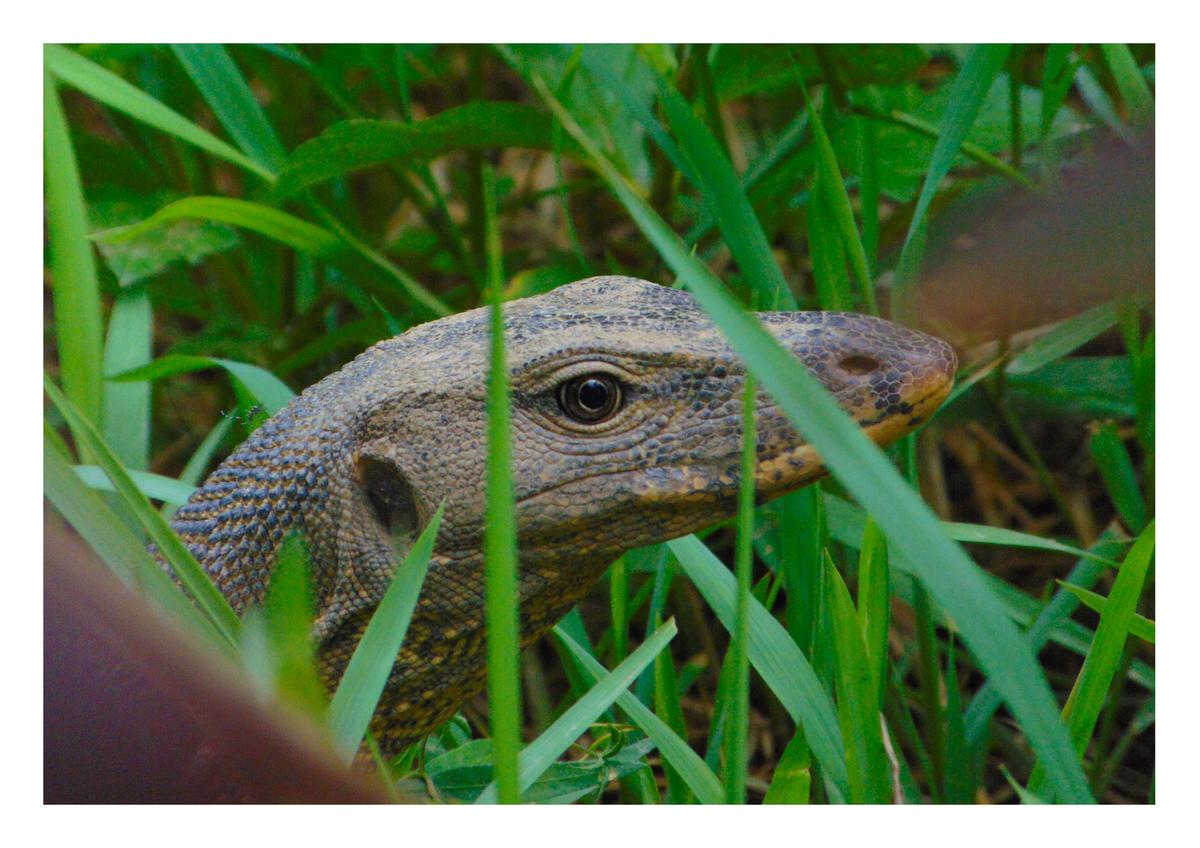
336 211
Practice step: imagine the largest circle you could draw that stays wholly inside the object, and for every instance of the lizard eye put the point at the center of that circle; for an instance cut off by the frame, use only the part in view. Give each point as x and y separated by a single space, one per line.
590 398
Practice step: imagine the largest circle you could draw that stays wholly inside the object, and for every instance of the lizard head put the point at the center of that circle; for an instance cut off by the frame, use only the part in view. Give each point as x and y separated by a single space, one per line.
626 417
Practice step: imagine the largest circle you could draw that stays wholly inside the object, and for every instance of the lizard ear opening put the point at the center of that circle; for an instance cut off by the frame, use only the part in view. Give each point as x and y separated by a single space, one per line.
390 496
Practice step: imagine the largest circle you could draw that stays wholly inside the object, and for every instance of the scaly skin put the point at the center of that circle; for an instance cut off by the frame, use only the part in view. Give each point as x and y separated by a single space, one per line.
360 461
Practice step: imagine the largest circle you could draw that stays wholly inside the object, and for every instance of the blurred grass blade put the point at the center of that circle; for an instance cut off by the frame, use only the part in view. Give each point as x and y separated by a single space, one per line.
264 220
151 485
1120 478
1141 627
1067 337
127 406
271 393
227 94
362 683
1130 82
500 536
874 606
558 737
723 192
675 750
856 697
118 547
114 92
1103 658
955 581
828 256
75 290
783 668
170 546
350 146
967 93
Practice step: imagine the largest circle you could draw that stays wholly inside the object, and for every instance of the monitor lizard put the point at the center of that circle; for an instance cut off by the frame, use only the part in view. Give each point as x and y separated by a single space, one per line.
626 431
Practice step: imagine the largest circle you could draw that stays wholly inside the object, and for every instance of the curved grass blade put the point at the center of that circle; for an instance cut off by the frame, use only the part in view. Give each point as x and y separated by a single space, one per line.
675 750
1130 82
154 486
76 293
362 683
227 94
350 146
1068 336
116 93
172 548
1116 468
271 393
953 579
783 668
540 754
122 551
264 220
127 407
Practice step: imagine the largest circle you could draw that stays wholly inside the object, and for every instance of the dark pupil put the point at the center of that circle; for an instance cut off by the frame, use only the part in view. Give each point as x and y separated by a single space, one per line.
593 395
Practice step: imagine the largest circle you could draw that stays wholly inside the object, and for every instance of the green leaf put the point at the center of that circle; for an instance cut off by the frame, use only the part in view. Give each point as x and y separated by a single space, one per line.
1141 627
1130 82
271 393
543 751
122 551
675 750
1120 478
1103 658
742 69
117 94
783 668
874 606
280 226
76 293
362 683
127 407
735 217
151 485
350 146
172 549
227 94
792 780
1068 336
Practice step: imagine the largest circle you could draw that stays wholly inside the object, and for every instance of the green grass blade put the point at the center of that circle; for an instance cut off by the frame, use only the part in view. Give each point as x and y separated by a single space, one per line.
127 406
737 749
967 93
1141 627
792 781
264 220
500 539
268 391
151 485
874 606
350 146
227 94
828 256
358 691
1130 82
838 202
955 581
784 669
723 192
75 290
1068 336
173 550
543 751
116 93
1100 665
117 546
856 691
674 749
1116 467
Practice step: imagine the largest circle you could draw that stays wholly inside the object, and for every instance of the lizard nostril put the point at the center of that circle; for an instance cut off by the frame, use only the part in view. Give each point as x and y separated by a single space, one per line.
858 364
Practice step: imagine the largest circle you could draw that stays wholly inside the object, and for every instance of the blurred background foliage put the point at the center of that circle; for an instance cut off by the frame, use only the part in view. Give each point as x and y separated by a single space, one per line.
226 225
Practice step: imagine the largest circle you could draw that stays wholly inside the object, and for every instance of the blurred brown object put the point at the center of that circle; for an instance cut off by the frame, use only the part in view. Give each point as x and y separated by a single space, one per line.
136 712
1007 261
